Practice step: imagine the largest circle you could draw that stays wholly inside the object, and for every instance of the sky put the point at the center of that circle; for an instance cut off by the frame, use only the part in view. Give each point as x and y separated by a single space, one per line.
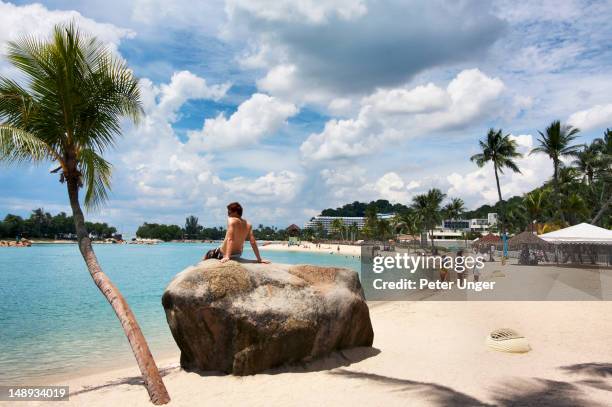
290 107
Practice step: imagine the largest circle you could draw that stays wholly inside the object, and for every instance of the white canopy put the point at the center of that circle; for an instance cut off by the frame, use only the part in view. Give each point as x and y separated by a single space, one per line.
584 233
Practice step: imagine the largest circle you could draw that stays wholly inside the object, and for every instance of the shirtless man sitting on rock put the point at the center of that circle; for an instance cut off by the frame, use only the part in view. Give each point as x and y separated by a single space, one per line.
238 231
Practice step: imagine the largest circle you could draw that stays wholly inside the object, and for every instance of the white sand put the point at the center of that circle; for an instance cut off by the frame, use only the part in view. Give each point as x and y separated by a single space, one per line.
425 353
345 249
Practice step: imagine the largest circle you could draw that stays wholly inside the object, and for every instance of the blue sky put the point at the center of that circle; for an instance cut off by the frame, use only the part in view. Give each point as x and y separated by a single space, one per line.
294 106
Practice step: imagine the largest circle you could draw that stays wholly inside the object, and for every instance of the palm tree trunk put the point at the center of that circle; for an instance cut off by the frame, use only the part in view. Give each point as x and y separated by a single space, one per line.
556 187
502 228
601 211
433 246
151 376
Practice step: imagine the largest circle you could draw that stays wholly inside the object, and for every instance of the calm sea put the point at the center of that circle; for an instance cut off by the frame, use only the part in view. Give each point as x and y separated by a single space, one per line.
54 321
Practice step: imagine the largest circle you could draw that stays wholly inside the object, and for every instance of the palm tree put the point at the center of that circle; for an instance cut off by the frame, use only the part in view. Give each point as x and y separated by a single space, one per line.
427 206
383 229
192 227
353 230
535 203
556 142
500 150
603 147
575 207
337 226
69 113
454 208
586 163
398 224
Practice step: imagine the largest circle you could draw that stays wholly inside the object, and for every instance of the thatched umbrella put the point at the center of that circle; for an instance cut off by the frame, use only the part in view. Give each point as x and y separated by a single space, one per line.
526 238
293 230
527 241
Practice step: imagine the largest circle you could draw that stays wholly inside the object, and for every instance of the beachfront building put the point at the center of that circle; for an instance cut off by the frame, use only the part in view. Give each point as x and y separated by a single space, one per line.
453 229
326 221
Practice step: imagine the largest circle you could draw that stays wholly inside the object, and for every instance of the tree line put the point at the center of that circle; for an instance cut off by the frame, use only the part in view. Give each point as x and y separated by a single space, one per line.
192 230
43 225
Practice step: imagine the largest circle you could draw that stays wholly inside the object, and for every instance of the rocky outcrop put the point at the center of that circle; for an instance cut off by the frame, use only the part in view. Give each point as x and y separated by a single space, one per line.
245 317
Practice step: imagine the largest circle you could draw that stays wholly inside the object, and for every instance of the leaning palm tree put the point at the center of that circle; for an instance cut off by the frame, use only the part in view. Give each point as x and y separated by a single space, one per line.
69 113
556 142
500 150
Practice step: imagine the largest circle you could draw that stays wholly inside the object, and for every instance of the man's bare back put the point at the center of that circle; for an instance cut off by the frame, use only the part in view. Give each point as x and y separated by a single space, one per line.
238 231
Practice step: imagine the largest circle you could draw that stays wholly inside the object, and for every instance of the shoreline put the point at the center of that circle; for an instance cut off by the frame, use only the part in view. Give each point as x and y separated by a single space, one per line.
307 247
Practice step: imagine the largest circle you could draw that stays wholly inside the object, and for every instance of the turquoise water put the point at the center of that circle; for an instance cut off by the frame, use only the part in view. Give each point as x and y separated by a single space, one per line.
54 321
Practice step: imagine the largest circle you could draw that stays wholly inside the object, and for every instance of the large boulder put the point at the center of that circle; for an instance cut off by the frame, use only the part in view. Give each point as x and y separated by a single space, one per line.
244 317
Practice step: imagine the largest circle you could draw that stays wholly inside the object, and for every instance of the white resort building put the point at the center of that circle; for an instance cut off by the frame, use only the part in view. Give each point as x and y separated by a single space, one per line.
450 229
454 228
326 221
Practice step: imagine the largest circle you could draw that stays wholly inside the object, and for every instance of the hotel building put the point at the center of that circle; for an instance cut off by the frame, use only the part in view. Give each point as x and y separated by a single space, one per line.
326 221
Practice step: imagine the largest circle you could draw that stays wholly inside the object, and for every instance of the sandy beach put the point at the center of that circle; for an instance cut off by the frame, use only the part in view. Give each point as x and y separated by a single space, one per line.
342 249
424 353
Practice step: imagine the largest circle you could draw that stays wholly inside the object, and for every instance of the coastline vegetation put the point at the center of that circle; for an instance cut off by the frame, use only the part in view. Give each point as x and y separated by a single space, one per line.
192 230
43 225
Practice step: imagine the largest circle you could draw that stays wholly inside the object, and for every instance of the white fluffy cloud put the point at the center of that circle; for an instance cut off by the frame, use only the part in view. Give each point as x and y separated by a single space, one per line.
351 183
279 187
169 176
36 20
478 187
422 99
393 188
184 86
259 116
592 118
398 113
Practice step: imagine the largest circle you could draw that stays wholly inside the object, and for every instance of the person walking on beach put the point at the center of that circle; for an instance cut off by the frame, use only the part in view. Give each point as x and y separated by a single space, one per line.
443 269
461 276
238 231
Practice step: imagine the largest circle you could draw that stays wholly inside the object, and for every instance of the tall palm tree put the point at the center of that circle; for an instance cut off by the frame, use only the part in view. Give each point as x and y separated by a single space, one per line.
500 150
556 142
69 113
427 206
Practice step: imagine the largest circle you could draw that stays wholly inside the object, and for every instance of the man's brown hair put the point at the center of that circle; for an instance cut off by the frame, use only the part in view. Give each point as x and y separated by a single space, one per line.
234 207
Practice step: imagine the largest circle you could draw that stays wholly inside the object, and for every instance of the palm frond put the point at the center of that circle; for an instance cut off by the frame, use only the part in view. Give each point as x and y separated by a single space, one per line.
96 172
17 145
